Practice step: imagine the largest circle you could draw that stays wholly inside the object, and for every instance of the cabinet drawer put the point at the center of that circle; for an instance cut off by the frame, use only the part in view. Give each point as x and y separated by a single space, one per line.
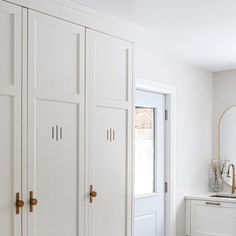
213 218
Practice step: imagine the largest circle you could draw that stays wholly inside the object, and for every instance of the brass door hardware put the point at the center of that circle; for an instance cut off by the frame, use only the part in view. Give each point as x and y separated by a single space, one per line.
213 203
111 135
19 203
233 177
57 132
33 201
92 194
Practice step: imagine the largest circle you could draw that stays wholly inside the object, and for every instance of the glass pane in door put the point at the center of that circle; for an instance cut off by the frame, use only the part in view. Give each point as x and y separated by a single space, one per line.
144 150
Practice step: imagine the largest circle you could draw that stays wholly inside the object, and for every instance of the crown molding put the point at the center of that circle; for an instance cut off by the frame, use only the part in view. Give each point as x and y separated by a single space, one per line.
82 15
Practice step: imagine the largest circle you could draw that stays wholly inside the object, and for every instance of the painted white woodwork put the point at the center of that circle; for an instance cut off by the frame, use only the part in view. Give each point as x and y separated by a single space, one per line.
150 208
170 141
110 60
211 217
146 224
109 145
10 118
55 116
24 111
82 15
42 122
110 172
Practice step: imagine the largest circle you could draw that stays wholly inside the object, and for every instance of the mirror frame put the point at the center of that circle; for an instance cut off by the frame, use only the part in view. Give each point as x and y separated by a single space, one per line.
218 144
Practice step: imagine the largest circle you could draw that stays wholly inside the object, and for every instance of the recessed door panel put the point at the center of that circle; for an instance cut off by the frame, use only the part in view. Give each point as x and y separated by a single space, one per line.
6 166
56 168
111 66
10 43
110 172
6 47
57 45
10 119
146 225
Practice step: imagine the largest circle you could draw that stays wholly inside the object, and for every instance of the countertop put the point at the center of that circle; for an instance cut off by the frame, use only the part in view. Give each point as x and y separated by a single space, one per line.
207 197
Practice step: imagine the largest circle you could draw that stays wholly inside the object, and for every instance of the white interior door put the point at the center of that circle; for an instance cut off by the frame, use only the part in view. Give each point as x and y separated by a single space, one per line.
10 118
109 96
149 164
56 111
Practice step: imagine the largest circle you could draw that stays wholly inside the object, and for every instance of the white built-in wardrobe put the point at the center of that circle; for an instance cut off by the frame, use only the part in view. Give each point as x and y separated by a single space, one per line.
65 125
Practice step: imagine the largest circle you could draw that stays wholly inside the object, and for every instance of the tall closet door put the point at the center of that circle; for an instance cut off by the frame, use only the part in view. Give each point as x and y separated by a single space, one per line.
55 115
109 103
10 118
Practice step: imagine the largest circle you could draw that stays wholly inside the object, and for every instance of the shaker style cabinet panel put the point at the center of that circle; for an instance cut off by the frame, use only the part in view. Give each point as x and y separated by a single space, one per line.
66 148
10 119
212 218
55 114
109 149
110 64
110 172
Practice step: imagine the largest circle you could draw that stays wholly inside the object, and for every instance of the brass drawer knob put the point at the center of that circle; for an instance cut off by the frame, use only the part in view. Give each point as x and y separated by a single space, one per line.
19 203
33 201
92 194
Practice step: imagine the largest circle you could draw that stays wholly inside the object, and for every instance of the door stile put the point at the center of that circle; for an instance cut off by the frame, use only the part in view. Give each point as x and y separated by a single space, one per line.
24 115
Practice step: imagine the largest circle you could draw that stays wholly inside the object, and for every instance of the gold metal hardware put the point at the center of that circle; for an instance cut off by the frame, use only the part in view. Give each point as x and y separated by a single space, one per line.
92 194
110 135
33 201
52 132
213 203
57 132
19 203
233 176
60 132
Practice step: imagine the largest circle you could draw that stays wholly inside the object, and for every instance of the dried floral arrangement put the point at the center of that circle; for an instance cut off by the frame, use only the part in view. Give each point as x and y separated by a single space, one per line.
218 166
217 169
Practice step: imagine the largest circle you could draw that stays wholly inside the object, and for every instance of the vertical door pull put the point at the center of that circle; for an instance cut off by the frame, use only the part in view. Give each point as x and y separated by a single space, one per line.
19 203
92 194
33 201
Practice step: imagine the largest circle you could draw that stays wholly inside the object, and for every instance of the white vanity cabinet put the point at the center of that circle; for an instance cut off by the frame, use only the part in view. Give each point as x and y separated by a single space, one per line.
66 105
207 217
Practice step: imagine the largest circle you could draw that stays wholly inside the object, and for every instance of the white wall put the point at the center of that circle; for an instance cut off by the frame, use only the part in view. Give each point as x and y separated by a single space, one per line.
194 119
224 97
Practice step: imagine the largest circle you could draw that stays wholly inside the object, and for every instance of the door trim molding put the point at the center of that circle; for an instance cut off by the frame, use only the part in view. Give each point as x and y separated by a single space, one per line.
170 92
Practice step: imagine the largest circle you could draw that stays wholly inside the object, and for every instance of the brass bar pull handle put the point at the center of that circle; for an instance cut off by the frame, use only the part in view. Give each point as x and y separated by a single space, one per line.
213 203
33 201
92 194
19 203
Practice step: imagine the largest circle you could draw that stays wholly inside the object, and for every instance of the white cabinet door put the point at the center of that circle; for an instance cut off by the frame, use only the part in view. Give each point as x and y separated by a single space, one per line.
10 118
213 218
56 111
109 96
110 172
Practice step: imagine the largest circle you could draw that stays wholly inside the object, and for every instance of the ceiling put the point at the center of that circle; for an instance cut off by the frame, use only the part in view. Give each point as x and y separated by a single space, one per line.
198 32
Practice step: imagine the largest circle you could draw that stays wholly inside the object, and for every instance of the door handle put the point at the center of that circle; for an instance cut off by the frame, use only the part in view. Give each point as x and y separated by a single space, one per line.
92 194
19 203
33 201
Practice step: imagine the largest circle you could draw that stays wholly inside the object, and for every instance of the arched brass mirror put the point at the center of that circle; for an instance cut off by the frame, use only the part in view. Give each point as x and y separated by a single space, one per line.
227 142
